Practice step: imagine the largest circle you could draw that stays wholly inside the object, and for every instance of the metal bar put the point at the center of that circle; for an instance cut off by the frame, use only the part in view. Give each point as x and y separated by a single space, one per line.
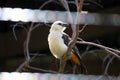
48 76
47 16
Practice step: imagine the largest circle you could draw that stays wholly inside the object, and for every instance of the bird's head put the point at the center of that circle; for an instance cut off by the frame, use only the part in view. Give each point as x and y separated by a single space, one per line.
58 26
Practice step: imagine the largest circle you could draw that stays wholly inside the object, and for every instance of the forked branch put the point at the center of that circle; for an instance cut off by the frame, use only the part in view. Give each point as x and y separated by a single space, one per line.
75 34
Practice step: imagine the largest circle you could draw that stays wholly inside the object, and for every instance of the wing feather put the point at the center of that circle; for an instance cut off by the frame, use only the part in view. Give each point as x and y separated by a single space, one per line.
75 50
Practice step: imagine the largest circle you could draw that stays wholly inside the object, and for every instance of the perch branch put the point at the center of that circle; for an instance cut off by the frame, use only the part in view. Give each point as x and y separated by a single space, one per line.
75 34
64 58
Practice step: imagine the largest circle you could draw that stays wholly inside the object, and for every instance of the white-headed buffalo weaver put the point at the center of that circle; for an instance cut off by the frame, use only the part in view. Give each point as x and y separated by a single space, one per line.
58 42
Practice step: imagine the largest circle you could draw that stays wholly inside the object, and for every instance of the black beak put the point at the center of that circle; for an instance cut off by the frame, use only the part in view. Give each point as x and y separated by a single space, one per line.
65 25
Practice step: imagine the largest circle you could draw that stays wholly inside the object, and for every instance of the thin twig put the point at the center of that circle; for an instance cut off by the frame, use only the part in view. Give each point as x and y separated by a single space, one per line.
83 27
19 69
43 70
108 64
94 2
66 6
26 43
31 28
26 46
110 50
71 2
37 25
44 4
76 3
19 24
36 54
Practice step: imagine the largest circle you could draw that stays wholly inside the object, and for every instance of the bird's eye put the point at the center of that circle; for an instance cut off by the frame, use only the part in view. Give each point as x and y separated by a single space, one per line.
59 23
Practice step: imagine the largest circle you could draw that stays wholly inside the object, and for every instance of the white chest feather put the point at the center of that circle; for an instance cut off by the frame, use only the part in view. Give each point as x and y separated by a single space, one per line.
56 44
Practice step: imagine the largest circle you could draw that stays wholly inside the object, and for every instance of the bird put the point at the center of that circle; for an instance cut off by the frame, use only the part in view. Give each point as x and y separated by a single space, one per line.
58 42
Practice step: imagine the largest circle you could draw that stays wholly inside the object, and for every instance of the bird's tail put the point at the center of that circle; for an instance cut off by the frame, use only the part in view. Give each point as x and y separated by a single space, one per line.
75 59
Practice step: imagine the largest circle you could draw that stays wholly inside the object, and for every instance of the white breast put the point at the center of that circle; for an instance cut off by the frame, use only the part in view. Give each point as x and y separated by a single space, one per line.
56 44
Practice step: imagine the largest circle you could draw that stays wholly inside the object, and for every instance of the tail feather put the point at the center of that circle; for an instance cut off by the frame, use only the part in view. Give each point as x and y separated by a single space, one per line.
75 59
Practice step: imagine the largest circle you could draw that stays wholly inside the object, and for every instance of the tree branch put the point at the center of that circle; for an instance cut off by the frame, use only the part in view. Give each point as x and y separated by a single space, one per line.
75 34
110 50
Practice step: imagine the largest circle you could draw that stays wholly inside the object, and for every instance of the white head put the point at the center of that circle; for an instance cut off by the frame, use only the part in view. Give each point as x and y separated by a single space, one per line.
58 26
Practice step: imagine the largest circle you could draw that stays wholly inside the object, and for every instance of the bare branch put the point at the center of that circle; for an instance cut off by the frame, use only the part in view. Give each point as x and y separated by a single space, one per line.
26 43
49 1
37 25
75 34
110 50
26 46
65 57
36 54
108 64
83 28
19 24
19 69
99 5
43 70
65 4
72 2
31 28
